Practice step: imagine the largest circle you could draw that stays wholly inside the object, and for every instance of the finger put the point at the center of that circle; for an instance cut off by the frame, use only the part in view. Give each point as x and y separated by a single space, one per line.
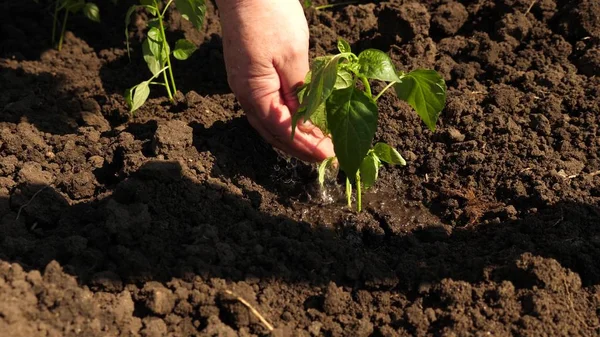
309 142
292 71
305 127
286 146
276 129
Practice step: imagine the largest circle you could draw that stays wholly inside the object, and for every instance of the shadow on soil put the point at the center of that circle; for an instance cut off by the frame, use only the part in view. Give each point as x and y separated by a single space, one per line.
239 151
38 99
160 224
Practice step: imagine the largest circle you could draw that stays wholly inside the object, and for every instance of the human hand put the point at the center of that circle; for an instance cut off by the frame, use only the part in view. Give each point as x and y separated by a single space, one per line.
265 44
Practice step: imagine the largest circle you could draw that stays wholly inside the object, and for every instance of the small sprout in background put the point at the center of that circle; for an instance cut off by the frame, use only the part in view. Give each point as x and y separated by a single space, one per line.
89 9
331 100
156 50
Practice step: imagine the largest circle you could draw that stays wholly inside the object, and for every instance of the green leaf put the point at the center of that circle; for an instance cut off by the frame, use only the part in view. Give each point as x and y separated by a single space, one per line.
193 11
323 168
323 79
388 154
155 35
344 79
376 64
348 192
425 91
138 95
369 170
343 46
183 49
319 119
352 118
91 11
154 40
157 46
152 61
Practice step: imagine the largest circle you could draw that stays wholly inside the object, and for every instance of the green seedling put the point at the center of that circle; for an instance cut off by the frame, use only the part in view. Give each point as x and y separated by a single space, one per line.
156 50
333 101
89 9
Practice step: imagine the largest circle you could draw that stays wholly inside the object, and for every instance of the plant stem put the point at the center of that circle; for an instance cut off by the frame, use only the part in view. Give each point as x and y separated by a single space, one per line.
55 23
164 37
334 5
349 192
168 87
164 41
385 89
367 85
167 6
62 33
358 193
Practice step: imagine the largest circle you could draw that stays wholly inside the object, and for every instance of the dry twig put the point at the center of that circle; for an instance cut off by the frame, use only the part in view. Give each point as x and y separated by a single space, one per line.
252 310
530 7
29 202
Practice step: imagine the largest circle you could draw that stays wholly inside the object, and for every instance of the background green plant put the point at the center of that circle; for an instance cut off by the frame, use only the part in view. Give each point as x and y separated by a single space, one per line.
156 50
66 7
332 101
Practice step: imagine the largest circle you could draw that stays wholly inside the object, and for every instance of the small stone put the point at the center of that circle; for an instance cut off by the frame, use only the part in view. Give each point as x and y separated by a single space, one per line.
154 327
158 299
336 300
90 105
455 136
541 124
172 136
6 182
192 98
362 328
448 18
96 161
32 173
95 120
510 211
8 164
410 156
80 185
315 328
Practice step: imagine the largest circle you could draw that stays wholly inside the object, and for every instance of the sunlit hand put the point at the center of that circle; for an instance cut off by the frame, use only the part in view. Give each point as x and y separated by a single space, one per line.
265 45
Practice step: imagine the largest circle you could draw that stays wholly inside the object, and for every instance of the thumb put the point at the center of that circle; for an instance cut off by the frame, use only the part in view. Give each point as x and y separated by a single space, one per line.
291 76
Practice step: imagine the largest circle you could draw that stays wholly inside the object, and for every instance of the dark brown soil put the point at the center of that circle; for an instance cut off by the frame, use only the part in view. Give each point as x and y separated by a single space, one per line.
119 226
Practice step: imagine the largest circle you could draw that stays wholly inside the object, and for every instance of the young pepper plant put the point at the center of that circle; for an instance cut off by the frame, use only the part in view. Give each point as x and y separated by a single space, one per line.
156 50
89 9
331 99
